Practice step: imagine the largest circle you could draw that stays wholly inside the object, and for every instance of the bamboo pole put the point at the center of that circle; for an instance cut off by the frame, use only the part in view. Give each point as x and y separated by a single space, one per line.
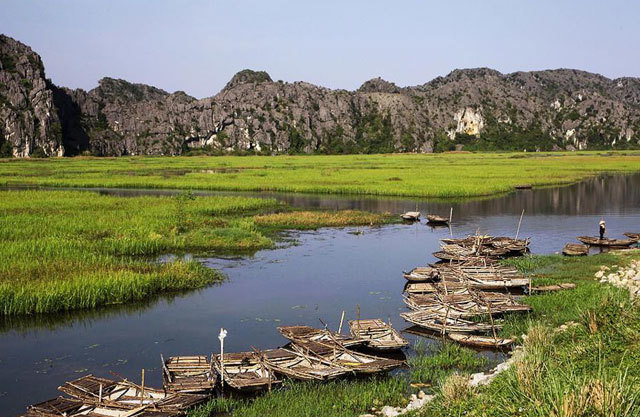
450 219
100 394
142 390
341 321
519 223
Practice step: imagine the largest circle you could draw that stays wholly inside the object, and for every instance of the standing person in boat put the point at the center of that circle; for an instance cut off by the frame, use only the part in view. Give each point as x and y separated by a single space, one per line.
603 229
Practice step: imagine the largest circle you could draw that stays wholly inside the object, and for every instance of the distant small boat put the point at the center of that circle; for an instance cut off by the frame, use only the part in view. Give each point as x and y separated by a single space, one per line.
435 219
575 249
421 274
523 187
480 341
377 334
411 216
594 241
634 236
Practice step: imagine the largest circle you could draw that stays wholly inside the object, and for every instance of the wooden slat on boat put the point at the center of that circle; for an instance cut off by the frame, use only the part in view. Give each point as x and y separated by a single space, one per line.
189 374
377 334
575 249
245 371
88 387
444 324
303 334
480 340
594 241
60 406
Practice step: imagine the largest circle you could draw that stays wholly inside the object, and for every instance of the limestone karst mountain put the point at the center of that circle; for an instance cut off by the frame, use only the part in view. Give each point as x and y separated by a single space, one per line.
471 109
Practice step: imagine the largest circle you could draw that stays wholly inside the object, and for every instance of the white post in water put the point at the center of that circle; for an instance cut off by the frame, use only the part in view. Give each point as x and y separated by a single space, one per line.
450 219
221 336
519 223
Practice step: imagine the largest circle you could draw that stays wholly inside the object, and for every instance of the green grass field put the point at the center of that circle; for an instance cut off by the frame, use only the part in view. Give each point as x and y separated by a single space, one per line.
424 175
65 250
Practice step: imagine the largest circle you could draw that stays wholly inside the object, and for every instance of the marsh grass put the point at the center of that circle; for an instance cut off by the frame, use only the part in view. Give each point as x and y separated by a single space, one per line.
434 362
343 398
420 175
66 250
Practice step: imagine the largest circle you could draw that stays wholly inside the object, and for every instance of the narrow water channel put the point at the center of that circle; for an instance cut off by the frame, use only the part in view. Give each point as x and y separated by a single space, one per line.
315 278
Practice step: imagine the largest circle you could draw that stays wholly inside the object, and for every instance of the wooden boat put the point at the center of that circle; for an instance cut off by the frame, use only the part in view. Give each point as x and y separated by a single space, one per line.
556 287
244 371
465 305
435 219
634 236
515 246
487 277
480 340
193 374
411 216
575 249
377 334
302 334
523 187
357 362
421 274
594 241
444 324
300 365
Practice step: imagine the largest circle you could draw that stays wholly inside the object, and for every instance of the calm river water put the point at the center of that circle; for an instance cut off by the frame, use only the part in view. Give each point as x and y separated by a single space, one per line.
311 276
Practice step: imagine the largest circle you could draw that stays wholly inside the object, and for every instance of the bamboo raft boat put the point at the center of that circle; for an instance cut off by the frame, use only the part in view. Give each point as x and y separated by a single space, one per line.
445 324
606 242
488 277
435 219
575 249
421 274
304 334
411 216
465 305
191 374
358 363
480 341
300 365
244 371
105 397
377 334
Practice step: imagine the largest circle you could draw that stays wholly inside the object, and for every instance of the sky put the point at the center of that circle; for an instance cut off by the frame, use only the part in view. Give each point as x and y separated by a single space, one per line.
197 46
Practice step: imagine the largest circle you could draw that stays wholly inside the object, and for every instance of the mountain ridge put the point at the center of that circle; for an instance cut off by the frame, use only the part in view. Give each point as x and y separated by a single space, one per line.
477 108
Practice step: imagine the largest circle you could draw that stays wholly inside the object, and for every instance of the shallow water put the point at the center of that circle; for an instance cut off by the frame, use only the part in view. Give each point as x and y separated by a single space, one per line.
324 272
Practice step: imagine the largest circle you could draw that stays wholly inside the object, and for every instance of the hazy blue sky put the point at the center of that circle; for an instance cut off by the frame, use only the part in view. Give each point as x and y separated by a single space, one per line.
197 46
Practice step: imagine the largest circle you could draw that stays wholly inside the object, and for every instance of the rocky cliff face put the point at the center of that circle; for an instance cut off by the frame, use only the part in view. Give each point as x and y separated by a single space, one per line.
471 109
28 118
